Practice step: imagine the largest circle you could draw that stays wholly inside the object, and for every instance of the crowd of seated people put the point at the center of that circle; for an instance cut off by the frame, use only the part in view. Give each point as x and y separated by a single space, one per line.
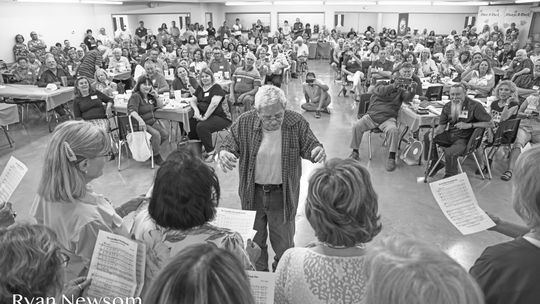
184 249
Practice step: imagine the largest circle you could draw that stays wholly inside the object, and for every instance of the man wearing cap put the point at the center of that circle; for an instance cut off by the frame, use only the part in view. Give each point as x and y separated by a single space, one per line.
246 81
37 46
383 112
302 52
316 94
507 55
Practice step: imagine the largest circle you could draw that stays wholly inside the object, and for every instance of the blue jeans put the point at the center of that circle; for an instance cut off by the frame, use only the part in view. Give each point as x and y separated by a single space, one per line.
270 212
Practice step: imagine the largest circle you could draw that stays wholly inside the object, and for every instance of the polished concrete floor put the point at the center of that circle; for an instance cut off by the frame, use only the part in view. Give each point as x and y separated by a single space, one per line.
407 208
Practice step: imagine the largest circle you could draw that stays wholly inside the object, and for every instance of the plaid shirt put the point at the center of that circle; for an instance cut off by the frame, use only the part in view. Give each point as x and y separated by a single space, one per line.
244 141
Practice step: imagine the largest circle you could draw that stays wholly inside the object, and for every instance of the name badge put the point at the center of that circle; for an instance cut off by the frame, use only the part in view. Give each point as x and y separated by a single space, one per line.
238 79
206 94
221 67
29 72
535 88
93 97
464 114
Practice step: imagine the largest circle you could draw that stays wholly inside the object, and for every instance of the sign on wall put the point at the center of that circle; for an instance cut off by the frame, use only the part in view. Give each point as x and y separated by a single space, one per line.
503 16
403 24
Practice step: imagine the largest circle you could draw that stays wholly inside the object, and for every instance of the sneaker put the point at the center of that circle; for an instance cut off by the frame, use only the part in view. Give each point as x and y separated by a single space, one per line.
354 155
439 167
390 164
293 75
209 157
317 114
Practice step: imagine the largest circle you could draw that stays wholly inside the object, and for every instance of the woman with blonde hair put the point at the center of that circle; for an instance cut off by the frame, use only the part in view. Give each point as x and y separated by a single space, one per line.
65 203
342 208
405 271
32 266
201 274
428 65
509 273
103 83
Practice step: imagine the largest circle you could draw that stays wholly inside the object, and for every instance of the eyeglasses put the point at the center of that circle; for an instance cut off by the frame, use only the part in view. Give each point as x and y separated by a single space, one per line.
64 258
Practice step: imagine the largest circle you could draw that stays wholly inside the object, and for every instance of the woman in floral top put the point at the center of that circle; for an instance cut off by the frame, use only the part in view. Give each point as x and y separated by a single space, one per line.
19 49
341 206
185 195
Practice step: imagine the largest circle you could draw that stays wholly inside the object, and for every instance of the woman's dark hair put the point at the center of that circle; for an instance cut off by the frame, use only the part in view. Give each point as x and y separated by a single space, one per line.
376 46
76 85
186 192
19 35
192 37
128 56
406 56
200 53
231 47
468 56
144 79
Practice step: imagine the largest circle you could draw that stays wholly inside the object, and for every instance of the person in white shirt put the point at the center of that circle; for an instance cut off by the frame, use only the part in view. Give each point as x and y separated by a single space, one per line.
237 29
302 52
286 29
104 38
119 63
122 34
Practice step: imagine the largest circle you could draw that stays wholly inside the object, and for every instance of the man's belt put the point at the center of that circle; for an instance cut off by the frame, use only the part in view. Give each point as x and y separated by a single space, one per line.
270 187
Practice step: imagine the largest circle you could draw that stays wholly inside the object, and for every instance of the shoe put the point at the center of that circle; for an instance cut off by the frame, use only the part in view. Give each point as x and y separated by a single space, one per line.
112 156
439 167
354 155
390 164
317 114
326 110
507 175
209 157
293 75
158 160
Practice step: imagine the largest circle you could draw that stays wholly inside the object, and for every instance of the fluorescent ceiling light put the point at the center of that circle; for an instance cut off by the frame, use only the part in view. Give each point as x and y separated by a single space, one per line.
526 1
404 2
101 2
461 3
350 2
246 3
298 3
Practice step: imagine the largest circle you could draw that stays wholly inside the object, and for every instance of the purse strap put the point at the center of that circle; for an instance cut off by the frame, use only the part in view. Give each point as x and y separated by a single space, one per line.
130 123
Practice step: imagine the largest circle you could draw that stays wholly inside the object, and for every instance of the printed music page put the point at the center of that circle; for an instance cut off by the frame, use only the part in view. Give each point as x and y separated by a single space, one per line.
117 266
458 203
237 220
11 178
262 286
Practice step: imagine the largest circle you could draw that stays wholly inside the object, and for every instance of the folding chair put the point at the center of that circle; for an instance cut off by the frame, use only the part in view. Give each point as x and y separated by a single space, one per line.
123 129
376 131
363 104
504 136
474 143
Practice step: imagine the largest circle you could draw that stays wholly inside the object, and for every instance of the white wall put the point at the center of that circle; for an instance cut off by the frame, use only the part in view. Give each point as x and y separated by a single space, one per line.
56 22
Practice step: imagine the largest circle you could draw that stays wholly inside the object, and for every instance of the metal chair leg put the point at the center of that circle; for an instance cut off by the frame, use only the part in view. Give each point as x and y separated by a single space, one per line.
7 136
478 165
434 166
488 164
369 144
460 168
120 145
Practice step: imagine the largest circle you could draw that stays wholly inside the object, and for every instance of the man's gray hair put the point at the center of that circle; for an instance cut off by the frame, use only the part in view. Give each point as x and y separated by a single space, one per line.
268 95
117 51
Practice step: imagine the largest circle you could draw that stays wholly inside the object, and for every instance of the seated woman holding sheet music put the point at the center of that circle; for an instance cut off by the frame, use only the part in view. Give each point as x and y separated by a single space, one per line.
32 266
65 203
204 274
183 203
341 206
509 273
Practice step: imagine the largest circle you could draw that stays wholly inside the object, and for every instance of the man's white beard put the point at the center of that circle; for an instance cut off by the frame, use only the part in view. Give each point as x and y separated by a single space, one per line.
455 110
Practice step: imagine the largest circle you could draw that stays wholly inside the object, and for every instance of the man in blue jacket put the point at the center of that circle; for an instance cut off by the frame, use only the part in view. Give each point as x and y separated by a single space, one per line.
383 111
